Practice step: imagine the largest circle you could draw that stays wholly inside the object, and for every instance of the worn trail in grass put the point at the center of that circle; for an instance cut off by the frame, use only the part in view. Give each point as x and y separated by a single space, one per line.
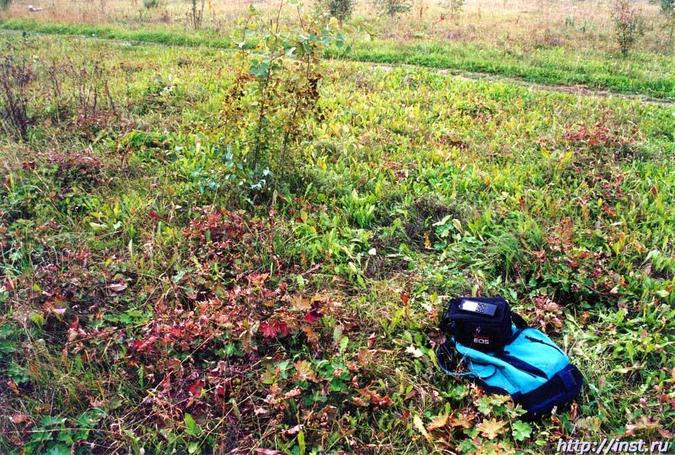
648 75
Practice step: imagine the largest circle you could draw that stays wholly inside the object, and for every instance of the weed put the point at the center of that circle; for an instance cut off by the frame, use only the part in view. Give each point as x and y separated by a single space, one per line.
15 79
392 8
339 9
79 168
423 217
628 25
150 4
196 14
276 95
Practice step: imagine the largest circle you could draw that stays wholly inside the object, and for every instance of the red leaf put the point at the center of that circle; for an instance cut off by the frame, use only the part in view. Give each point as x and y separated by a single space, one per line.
144 345
196 387
405 298
175 332
268 330
257 279
220 390
154 215
296 392
20 418
311 317
282 328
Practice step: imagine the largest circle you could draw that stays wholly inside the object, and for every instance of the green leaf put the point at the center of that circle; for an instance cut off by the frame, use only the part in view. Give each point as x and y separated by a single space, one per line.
38 319
260 69
49 421
191 426
6 331
18 373
344 342
521 430
58 449
466 446
484 405
89 419
7 347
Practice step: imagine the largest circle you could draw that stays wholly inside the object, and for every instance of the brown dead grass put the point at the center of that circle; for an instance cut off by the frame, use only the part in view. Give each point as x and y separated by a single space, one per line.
523 23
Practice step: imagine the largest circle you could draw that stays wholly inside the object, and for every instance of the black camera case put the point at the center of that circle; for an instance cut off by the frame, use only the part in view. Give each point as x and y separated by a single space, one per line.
475 327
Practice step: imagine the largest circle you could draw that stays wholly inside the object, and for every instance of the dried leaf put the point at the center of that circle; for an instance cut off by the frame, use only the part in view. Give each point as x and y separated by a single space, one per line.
405 298
438 422
301 303
358 401
257 279
491 428
20 418
304 371
419 425
643 424
294 430
293 393
461 420
118 286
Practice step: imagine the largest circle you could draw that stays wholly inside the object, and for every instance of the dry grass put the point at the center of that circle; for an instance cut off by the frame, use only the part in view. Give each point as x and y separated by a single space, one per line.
513 23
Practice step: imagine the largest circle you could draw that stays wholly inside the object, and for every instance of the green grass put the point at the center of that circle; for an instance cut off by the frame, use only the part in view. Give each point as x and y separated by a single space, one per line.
143 296
147 35
642 73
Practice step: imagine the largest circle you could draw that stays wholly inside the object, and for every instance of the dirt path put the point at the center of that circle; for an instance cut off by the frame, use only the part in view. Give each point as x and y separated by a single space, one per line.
578 90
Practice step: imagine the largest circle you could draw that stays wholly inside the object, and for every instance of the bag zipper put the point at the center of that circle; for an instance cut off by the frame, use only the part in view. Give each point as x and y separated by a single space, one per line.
537 340
521 365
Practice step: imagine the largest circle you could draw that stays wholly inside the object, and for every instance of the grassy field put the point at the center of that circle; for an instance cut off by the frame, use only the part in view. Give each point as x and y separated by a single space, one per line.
643 74
162 290
519 23
560 43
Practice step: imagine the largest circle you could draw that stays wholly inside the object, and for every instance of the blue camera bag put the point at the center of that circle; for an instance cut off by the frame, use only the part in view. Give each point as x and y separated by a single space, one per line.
530 368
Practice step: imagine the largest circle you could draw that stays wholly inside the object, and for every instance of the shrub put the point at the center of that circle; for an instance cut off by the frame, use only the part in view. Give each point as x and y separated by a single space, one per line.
627 25
4 4
394 7
150 4
339 9
196 13
274 95
667 6
456 7
15 78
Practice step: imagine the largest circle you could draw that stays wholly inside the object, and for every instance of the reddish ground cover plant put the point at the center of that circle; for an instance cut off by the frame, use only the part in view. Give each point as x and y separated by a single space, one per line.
245 354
